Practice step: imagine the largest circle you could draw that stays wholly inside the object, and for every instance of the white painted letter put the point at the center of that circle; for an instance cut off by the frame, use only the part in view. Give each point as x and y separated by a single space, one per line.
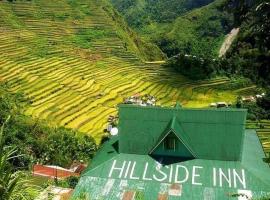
222 175
242 181
158 169
185 173
132 171
129 162
214 177
195 175
171 173
121 169
145 171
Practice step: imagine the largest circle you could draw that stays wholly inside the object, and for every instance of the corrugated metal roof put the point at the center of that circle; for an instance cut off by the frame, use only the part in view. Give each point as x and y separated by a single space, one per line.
175 127
141 127
129 176
228 161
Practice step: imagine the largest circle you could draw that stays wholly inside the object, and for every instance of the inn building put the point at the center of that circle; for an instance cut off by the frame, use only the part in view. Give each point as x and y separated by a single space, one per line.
178 153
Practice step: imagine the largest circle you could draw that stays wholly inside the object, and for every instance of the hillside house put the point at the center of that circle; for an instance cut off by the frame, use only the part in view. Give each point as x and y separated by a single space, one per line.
178 153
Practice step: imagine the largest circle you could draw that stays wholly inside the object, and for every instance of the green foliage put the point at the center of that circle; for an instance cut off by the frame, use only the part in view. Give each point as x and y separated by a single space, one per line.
39 47
13 184
249 54
85 37
176 27
63 146
256 110
70 182
145 50
60 16
199 32
141 12
79 12
38 142
194 67
265 102
10 18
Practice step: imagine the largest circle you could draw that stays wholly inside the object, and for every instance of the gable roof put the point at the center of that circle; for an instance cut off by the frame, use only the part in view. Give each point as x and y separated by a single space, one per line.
174 127
217 134
97 184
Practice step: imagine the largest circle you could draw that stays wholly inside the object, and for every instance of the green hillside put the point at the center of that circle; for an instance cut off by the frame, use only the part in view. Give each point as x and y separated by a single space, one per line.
193 27
249 55
76 60
142 12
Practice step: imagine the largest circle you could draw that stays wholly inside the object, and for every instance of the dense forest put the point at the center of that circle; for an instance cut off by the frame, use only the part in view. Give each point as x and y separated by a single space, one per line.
144 12
25 141
193 27
250 53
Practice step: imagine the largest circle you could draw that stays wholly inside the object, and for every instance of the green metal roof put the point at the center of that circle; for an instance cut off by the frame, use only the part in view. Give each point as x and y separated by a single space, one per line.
175 127
226 161
140 177
140 129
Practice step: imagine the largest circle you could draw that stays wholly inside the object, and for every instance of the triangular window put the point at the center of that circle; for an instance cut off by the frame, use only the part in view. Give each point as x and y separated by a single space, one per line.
172 146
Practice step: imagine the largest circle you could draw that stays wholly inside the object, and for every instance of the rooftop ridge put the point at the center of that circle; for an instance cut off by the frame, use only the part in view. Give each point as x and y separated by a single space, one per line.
184 108
209 134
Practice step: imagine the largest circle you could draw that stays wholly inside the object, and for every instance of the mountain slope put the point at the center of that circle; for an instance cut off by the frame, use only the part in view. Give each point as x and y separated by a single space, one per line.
144 12
250 52
75 63
193 27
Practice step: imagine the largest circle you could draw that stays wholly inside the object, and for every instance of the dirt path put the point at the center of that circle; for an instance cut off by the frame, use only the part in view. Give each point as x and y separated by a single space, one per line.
228 41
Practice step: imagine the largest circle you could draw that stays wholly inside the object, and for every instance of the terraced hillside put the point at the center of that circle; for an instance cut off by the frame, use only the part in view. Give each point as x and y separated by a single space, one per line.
263 131
71 58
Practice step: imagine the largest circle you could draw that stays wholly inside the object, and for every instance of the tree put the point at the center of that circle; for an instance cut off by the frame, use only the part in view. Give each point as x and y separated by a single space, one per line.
13 184
264 103
194 67
239 102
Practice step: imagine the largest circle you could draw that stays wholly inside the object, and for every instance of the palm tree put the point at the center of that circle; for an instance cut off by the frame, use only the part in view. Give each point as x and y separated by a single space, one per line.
13 184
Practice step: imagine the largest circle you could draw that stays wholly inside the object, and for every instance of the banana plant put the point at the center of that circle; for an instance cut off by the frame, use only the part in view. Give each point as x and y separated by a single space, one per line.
14 185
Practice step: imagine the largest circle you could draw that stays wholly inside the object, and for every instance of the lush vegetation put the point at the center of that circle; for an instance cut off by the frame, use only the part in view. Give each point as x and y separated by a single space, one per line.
201 67
193 27
194 67
84 37
182 29
13 184
144 12
257 110
198 32
132 41
250 53
37 142
76 69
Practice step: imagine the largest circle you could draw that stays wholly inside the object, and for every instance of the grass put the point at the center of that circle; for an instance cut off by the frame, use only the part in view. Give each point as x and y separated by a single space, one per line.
78 80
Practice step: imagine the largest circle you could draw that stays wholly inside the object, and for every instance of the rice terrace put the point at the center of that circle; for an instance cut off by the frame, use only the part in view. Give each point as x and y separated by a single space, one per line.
132 99
76 80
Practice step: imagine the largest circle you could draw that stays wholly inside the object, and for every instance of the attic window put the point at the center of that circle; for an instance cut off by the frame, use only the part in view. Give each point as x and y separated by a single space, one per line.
169 142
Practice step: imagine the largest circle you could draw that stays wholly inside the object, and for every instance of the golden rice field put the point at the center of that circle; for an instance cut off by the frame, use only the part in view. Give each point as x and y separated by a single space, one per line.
69 58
